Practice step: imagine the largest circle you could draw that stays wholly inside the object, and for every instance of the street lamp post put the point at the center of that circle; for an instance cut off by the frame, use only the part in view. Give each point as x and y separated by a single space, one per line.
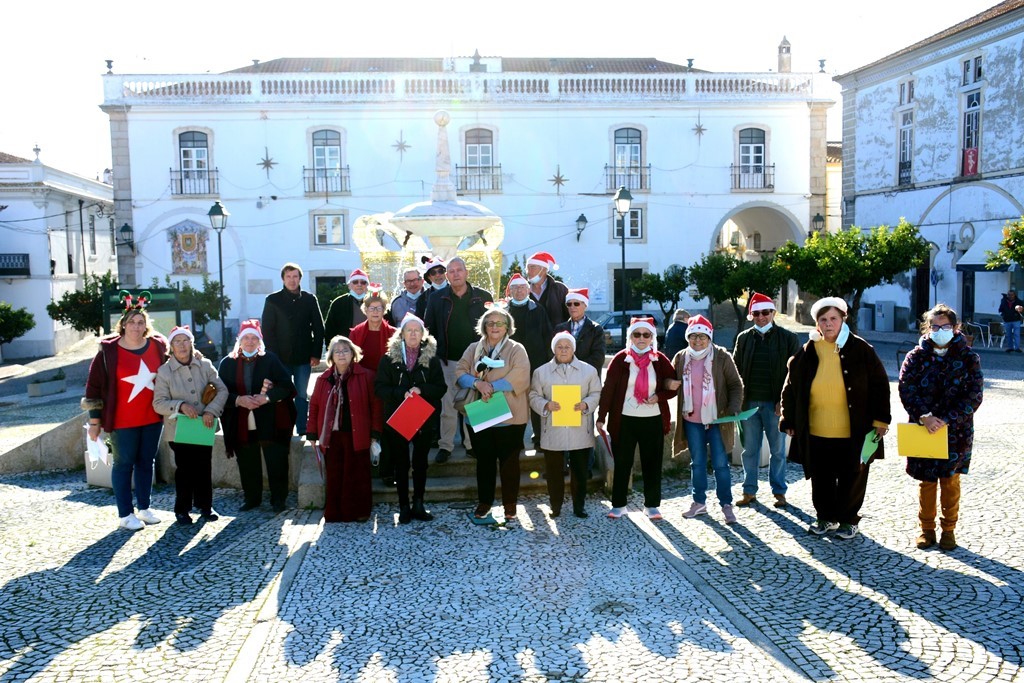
581 225
817 225
218 221
622 200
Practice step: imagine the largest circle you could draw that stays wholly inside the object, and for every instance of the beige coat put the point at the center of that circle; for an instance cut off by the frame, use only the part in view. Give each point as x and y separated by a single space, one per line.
177 384
516 371
728 395
577 372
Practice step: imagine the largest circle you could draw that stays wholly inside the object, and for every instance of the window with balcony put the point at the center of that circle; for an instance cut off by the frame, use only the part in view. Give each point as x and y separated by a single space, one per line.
971 134
327 176
634 224
752 172
628 169
328 229
479 174
194 175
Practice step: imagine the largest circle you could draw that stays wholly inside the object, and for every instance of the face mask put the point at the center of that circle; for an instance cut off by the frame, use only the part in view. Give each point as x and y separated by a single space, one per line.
442 285
413 296
247 354
763 330
535 279
358 297
634 349
697 355
941 337
518 302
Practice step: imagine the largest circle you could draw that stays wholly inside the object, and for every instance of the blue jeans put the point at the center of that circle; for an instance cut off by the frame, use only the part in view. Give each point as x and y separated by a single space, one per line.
300 375
764 421
1012 334
135 451
698 438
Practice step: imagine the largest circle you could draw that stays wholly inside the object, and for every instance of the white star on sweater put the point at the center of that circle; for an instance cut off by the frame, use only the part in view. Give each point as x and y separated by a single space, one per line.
142 380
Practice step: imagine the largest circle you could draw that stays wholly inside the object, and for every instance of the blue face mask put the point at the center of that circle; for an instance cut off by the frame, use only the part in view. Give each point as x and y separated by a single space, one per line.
413 296
634 349
764 329
520 302
358 297
941 337
248 354
535 279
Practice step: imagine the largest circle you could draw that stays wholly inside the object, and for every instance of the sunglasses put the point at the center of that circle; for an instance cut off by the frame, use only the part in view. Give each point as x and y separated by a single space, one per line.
761 314
573 303
641 335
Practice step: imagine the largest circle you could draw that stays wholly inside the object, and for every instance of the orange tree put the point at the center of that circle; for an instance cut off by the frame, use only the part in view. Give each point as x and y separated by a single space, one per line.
847 262
1011 248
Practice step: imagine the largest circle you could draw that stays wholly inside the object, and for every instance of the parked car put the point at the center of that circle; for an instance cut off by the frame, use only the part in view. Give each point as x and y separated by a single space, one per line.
612 324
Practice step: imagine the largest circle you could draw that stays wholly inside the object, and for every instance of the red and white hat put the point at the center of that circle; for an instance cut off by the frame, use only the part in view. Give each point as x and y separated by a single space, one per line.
698 324
250 326
582 294
180 331
641 324
759 302
542 259
517 279
559 337
358 274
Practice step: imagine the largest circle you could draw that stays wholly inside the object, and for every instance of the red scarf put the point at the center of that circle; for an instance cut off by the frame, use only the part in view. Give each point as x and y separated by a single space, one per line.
642 387
332 410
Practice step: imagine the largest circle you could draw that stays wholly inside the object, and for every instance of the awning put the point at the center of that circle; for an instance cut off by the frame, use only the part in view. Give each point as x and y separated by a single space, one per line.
974 259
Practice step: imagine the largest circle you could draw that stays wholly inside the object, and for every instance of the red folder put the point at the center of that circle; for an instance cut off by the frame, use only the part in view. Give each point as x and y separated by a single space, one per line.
410 416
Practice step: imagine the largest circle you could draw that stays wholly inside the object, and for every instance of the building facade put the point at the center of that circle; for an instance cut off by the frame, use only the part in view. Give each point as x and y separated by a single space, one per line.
56 227
935 133
302 151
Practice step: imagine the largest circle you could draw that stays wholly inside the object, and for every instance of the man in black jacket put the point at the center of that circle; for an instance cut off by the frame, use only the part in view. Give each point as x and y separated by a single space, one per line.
533 331
589 335
293 328
451 318
761 354
548 292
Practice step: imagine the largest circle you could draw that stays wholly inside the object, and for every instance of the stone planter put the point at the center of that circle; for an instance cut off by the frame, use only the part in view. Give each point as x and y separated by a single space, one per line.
53 386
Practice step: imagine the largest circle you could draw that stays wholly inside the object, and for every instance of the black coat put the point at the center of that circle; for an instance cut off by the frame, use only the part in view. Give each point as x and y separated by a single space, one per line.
393 380
867 397
553 301
533 331
590 344
293 327
340 317
275 420
782 345
439 312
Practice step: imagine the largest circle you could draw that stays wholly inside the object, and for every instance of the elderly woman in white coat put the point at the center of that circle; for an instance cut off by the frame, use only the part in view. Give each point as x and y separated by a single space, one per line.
188 385
566 368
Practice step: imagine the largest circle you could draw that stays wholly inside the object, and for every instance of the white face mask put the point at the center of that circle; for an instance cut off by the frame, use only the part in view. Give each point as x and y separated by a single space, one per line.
697 355
941 337
535 279
763 330
639 351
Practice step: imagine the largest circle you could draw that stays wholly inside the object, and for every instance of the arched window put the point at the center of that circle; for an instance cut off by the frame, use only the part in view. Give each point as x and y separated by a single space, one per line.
752 171
326 161
628 158
194 159
480 173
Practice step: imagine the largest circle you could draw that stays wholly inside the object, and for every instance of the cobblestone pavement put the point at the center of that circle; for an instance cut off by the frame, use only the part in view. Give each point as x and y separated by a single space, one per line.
278 598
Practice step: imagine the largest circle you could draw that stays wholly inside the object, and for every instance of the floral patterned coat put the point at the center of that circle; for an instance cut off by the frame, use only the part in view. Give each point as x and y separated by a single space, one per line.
950 388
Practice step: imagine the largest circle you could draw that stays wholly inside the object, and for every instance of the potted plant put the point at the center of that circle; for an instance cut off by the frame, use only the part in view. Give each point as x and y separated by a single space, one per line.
44 386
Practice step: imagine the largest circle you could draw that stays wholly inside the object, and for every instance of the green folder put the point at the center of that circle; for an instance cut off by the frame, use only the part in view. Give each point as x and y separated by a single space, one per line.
482 415
192 431
869 447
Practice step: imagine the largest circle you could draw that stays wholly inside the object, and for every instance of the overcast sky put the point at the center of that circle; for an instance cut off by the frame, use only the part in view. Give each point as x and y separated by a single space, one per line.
52 55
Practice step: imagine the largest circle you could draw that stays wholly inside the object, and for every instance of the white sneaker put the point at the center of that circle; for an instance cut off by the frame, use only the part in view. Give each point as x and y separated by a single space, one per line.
131 523
696 509
615 513
652 513
147 516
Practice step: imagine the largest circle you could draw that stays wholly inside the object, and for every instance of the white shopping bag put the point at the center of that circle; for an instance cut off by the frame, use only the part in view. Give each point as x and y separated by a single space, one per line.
96 451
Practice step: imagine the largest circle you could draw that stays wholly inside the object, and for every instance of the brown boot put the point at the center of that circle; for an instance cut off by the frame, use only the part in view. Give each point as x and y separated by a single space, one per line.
780 500
746 499
926 539
947 541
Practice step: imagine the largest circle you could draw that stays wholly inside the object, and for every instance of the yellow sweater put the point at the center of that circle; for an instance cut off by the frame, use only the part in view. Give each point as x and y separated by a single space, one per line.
829 413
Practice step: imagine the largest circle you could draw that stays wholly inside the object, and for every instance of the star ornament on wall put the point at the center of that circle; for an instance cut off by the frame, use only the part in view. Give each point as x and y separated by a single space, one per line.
699 129
267 162
401 146
558 180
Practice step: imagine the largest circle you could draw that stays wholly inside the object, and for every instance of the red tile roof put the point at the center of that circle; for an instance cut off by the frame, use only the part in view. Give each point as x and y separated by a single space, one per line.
571 65
991 13
11 159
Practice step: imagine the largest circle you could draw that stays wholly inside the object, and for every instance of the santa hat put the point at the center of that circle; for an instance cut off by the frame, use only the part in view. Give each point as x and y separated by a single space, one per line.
542 259
180 331
430 263
582 294
517 279
412 318
357 274
698 324
559 337
759 302
834 301
641 324
250 326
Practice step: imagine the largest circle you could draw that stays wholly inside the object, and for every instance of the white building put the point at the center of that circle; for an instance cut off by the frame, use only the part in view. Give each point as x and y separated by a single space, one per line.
935 133
299 150
54 228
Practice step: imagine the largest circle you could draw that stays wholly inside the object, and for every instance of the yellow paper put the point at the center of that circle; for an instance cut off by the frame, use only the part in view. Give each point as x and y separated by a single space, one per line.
915 441
567 396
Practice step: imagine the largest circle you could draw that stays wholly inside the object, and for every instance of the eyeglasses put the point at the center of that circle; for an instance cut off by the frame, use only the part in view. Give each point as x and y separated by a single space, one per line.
641 335
413 281
699 337
936 328
342 351
761 314
495 323
181 341
375 309
573 303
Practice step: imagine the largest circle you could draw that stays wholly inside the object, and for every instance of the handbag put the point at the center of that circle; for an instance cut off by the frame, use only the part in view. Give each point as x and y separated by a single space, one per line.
464 396
209 393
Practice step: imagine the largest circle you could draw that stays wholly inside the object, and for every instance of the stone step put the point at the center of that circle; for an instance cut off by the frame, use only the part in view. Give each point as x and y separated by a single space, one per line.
461 465
463 489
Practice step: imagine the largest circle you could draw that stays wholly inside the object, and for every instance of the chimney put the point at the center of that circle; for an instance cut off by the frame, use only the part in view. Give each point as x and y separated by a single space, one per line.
785 59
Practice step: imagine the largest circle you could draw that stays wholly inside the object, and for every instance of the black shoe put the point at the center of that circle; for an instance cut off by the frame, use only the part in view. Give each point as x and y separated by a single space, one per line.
279 507
419 512
210 515
1009 350
555 513
183 519
442 455
470 453
580 513
404 514
244 507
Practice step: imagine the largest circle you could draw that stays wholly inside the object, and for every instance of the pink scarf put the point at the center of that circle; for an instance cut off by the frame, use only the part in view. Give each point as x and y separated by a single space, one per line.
332 411
642 387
